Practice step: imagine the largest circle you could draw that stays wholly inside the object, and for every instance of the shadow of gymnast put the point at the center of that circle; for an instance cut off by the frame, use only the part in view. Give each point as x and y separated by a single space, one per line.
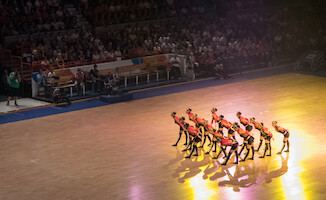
180 156
245 175
211 168
191 167
239 180
279 172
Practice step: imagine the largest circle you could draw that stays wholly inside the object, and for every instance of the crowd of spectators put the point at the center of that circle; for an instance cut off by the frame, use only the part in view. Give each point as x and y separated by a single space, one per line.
61 47
103 12
24 17
244 35
204 40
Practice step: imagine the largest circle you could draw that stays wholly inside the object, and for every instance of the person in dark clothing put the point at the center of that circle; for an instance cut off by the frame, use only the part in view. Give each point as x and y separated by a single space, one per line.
220 72
95 78
110 84
59 96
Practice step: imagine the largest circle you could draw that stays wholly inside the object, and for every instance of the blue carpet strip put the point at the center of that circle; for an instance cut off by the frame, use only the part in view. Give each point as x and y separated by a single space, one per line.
92 103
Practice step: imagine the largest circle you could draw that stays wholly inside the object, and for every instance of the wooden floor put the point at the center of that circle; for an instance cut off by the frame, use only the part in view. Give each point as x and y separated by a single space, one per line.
123 151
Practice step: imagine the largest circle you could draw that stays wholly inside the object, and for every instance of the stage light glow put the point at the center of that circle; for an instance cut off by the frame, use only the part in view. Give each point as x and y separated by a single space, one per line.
200 188
294 182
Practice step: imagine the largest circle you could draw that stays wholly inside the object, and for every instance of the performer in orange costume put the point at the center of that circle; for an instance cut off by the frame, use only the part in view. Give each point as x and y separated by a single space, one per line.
268 136
177 121
248 141
286 134
258 127
214 117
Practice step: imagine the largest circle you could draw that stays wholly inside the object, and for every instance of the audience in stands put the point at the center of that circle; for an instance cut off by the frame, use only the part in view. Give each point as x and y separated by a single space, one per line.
31 16
102 12
248 33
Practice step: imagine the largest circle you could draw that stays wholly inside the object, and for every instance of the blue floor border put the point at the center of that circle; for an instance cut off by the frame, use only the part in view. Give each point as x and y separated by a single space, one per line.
147 93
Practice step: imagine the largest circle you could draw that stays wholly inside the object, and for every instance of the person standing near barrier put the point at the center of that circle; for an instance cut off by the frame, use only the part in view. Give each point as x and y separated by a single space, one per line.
79 81
175 67
14 84
50 76
42 82
95 78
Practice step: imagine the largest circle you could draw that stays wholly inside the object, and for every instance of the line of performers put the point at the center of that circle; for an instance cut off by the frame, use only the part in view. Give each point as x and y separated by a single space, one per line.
203 131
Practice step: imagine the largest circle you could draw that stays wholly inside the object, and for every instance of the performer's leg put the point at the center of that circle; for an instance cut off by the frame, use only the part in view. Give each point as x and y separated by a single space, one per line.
180 133
253 153
186 134
266 147
189 145
196 148
260 143
219 152
202 144
214 143
201 132
248 151
237 157
288 146
223 149
227 158
270 149
210 140
282 148
215 147
241 149
192 151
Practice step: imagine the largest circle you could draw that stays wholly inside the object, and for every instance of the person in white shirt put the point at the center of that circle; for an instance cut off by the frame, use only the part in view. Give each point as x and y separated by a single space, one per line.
110 55
118 54
175 67
50 76
96 56
157 48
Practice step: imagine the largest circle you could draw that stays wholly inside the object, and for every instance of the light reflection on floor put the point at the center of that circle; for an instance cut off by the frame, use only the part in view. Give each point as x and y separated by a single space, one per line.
235 178
288 166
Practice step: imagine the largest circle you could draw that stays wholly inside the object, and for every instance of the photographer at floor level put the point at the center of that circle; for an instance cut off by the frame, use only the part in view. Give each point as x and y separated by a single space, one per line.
59 97
14 84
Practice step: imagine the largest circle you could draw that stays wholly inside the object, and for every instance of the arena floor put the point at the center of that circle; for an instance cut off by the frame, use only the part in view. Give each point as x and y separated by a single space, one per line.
123 151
